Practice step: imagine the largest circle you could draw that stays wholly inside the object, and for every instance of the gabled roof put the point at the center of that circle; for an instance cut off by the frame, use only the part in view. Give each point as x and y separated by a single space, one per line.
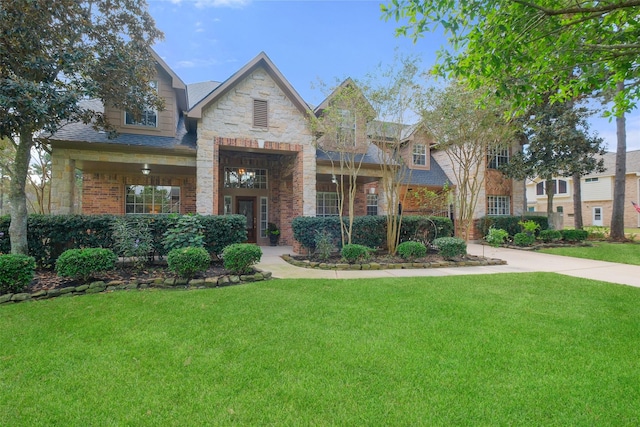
176 82
260 61
372 156
435 176
380 130
327 101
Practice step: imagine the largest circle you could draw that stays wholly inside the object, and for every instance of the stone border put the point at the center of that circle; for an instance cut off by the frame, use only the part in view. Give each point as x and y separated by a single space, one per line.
135 284
392 266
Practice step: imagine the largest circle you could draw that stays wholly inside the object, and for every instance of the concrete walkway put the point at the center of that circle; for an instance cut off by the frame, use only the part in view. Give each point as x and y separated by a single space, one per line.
518 261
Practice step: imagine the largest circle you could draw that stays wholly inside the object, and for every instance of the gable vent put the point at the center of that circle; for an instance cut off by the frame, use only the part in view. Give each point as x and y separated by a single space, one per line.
260 114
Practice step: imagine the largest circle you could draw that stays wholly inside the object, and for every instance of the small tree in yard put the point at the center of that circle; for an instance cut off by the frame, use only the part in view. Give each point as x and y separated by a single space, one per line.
465 132
55 53
393 93
341 128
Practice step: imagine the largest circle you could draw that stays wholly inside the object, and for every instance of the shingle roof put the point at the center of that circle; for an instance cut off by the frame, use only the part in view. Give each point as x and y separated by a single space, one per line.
196 92
372 156
377 129
633 163
435 176
86 133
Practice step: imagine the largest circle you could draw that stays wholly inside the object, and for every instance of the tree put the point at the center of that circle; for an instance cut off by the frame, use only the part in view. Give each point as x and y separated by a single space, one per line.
392 92
465 132
55 53
557 144
40 179
522 49
341 126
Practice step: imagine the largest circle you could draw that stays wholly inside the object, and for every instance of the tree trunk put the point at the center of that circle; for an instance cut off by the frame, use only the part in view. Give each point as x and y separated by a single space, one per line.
577 202
17 195
617 215
550 190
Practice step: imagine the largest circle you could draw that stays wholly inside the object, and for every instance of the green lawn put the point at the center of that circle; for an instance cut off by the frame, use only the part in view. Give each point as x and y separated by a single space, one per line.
625 253
509 349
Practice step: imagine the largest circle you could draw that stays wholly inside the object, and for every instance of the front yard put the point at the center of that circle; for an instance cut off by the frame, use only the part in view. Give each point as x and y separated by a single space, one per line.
624 253
505 349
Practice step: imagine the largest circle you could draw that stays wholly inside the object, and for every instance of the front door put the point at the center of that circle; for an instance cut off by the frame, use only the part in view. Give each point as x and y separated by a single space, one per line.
247 206
597 216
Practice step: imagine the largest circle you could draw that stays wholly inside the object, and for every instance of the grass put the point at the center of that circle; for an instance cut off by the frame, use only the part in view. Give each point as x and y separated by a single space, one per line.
625 253
509 349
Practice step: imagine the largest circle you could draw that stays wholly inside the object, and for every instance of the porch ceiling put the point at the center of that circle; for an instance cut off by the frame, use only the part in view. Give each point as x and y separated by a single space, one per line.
89 166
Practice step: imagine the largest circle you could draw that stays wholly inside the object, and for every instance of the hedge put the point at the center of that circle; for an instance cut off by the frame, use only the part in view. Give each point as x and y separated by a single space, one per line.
50 235
370 230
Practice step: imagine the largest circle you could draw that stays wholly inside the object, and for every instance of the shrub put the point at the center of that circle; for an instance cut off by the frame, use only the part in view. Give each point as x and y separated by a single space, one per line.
597 232
221 231
187 232
496 237
16 272
411 250
84 263
549 236
451 247
186 262
529 227
524 239
355 253
239 257
324 245
574 235
132 239
509 223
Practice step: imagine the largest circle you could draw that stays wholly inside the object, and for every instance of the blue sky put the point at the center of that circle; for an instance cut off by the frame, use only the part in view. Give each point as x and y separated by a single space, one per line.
307 40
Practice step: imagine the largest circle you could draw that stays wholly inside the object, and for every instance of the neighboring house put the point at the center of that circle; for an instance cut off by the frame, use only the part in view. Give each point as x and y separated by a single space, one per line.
240 146
597 194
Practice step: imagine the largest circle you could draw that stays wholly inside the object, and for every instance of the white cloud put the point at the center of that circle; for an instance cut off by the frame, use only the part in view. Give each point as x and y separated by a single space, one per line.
222 3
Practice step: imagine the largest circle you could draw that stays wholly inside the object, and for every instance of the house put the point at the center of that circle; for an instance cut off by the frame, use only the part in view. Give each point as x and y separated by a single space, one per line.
597 194
243 145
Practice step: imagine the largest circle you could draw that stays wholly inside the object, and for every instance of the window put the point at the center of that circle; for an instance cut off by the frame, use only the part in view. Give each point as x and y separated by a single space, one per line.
245 178
498 205
560 209
498 157
591 180
559 187
419 154
326 204
146 199
260 113
227 205
372 204
264 218
346 128
149 117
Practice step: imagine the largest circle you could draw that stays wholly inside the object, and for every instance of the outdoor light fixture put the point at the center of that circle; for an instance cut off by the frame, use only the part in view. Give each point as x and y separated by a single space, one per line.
333 179
145 169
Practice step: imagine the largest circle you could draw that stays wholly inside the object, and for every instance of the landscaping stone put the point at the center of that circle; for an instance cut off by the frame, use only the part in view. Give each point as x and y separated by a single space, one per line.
234 279
196 282
21 297
211 282
131 286
355 267
247 278
143 286
258 277
52 293
374 266
81 288
224 281
39 294
98 285
5 298
169 282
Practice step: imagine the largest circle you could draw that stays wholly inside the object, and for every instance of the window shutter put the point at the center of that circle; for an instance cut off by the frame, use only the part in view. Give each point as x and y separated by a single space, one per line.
260 116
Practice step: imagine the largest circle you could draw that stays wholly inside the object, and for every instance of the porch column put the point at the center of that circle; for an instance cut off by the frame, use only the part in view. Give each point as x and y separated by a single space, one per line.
62 185
306 168
206 177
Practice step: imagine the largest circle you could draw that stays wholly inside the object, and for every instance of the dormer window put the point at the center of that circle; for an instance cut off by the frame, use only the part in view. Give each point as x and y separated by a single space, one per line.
149 117
260 113
419 154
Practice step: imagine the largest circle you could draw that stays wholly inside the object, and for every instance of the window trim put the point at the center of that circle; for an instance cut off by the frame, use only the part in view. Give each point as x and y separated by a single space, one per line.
174 206
254 178
495 208
415 155
370 205
321 203
556 187
264 217
145 112
498 156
